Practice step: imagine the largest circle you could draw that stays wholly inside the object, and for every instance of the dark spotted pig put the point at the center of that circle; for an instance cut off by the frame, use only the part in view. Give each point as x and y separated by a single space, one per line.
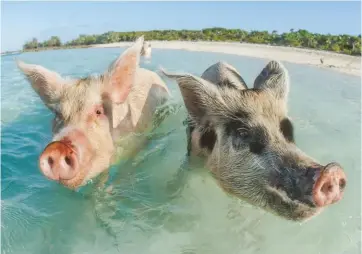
246 139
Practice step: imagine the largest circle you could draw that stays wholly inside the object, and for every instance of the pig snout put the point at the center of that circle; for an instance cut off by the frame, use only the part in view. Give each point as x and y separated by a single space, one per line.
59 161
329 185
62 159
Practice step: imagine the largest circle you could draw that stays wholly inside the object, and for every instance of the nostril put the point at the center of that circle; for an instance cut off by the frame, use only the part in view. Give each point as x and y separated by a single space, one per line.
342 183
68 161
327 188
50 161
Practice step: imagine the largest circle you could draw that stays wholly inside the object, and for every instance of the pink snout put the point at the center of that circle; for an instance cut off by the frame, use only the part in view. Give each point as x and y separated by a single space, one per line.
59 161
330 185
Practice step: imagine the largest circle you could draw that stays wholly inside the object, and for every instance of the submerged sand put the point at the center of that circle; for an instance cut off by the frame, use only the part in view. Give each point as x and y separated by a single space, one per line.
343 63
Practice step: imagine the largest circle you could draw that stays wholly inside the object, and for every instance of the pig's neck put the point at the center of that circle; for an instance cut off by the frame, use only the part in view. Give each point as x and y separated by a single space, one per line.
136 113
126 139
121 120
134 118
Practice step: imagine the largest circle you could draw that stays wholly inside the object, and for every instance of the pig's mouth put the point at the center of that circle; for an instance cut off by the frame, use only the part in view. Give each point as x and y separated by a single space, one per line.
281 205
305 199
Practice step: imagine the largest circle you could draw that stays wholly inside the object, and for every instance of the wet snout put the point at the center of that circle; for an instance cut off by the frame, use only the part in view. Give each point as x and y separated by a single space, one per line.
62 159
329 186
59 161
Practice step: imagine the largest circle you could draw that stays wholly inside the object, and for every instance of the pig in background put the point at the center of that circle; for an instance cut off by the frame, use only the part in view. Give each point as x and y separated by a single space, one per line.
95 116
246 139
146 50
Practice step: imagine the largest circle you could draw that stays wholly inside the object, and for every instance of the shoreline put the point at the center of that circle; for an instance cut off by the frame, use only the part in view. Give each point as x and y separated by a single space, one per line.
346 64
342 63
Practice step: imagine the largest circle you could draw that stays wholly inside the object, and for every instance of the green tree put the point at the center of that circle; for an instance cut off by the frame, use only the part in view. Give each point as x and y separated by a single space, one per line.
33 44
346 44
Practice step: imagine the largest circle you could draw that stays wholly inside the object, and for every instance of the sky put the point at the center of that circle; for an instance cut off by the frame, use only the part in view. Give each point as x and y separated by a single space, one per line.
21 21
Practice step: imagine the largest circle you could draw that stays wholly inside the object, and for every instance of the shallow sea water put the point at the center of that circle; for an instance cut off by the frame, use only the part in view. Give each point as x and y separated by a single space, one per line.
156 207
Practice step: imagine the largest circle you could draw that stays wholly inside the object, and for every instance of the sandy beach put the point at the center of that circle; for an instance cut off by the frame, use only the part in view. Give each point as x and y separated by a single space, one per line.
342 63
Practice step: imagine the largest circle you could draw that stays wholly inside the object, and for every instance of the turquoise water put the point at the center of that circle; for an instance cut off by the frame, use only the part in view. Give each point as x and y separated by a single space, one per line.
156 208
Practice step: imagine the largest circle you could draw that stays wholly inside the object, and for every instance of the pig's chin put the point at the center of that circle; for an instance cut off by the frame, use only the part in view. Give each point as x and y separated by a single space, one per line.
88 170
301 214
79 179
73 183
281 205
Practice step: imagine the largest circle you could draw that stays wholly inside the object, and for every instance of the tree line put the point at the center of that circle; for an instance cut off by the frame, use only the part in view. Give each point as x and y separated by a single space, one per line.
346 44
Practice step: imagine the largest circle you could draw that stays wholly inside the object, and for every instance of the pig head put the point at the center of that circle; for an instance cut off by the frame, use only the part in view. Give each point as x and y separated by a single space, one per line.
91 113
246 139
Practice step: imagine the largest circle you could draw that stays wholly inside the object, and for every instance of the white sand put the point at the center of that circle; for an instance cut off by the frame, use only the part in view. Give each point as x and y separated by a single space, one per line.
343 63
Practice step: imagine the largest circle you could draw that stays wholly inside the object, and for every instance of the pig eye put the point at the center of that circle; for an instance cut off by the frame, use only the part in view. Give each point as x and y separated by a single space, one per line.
240 138
244 135
99 111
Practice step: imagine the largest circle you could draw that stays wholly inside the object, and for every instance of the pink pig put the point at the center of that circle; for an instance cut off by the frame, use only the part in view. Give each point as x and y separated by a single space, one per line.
92 113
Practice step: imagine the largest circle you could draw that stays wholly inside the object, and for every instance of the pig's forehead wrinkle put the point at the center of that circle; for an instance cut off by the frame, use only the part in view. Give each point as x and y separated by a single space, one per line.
253 103
247 116
91 80
79 97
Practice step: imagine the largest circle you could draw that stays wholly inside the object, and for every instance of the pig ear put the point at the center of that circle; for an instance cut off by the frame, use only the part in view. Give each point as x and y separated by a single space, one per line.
47 84
200 96
223 74
137 99
274 77
123 71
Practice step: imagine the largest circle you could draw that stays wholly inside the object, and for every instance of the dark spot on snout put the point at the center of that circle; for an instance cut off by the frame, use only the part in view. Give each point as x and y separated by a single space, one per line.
208 139
296 182
286 127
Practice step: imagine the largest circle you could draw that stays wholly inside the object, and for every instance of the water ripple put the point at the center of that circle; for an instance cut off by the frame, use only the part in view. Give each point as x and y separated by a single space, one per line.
155 203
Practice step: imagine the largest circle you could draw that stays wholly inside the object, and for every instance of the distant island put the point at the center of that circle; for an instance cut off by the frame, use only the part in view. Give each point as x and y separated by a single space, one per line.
345 44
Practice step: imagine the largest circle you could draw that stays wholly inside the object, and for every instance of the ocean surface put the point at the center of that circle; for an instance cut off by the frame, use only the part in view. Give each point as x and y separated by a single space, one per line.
155 208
